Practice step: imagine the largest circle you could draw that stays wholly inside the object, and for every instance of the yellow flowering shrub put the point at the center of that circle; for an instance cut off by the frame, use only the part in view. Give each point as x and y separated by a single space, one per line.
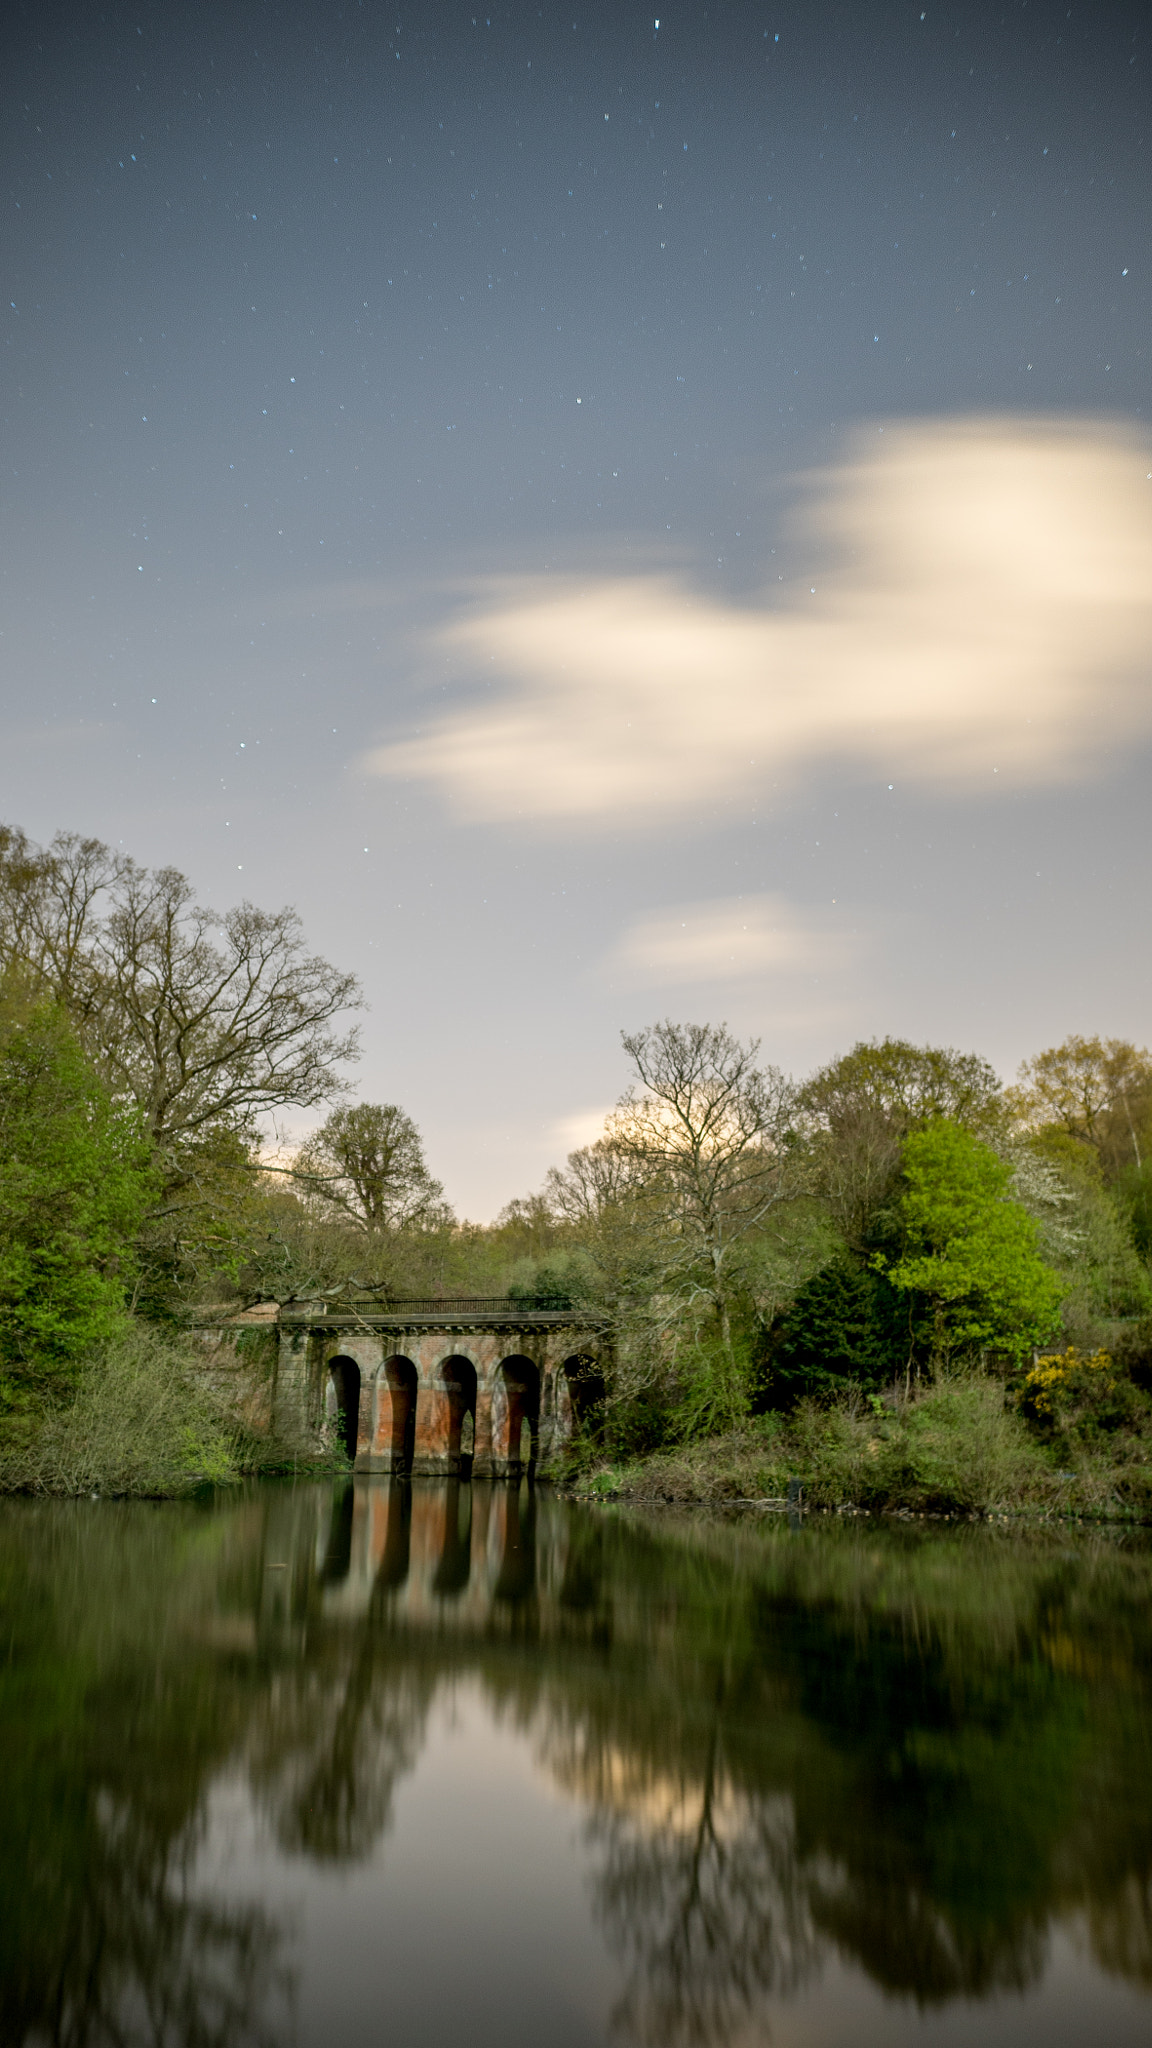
1059 1376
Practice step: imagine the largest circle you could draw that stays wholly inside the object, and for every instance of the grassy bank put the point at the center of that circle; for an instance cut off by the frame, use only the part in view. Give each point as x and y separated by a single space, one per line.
961 1446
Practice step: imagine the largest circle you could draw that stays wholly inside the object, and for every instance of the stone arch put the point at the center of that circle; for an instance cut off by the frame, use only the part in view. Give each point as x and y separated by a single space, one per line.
586 1390
520 1379
342 1400
458 1377
394 1443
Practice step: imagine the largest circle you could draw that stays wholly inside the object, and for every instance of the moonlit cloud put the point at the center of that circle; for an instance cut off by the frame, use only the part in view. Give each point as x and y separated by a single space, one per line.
583 1127
728 939
985 607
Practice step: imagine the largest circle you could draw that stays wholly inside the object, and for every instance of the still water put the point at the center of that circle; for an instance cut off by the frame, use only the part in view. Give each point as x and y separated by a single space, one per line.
436 1764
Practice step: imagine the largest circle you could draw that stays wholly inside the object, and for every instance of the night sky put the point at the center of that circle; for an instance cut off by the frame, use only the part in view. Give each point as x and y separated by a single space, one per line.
610 519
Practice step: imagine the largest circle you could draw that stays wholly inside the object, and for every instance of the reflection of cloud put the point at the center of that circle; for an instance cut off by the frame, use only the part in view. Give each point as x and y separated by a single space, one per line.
729 939
991 608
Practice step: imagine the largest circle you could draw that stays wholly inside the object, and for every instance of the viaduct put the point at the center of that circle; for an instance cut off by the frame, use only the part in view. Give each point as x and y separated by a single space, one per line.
484 1388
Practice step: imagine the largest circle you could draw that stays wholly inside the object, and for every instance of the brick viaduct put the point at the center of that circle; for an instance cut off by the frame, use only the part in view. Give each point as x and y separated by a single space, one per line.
481 1388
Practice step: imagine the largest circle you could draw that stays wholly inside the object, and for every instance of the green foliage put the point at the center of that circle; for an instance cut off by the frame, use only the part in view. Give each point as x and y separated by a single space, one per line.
1134 1200
955 1447
76 1178
970 1262
559 1282
1097 1093
714 1385
842 1326
143 1420
860 1108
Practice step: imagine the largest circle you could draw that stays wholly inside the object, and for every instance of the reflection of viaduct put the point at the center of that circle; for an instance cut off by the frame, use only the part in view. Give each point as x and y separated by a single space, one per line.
430 1555
483 1388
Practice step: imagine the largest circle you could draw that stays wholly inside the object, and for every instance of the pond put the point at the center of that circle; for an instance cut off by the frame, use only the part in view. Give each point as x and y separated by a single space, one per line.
424 1764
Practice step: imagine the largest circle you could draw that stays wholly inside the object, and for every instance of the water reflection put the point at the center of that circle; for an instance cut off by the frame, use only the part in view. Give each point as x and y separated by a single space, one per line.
916 1755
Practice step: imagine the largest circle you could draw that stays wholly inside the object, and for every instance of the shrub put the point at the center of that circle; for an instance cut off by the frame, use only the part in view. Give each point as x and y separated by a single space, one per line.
958 1448
142 1421
1082 1395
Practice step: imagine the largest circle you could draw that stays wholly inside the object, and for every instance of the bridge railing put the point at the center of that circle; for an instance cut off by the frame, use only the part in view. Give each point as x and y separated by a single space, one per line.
452 1306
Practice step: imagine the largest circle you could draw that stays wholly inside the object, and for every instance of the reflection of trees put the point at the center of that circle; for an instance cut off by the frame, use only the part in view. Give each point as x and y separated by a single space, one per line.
1120 1926
795 1759
327 1756
112 1715
915 1756
140 1960
704 1906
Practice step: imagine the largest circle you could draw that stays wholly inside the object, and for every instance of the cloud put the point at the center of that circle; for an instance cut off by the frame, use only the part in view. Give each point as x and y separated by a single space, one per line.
581 1128
733 938
988 607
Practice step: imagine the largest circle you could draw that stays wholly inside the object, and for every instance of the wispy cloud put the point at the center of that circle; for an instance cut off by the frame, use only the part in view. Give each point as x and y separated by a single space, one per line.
734 938
988 607
583 1127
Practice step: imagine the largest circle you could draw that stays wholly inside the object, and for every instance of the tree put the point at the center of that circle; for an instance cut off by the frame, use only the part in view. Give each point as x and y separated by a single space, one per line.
707 1140
839 1328
366 1162
862 1106
76 1178
1095 1091
970 1268
199 1019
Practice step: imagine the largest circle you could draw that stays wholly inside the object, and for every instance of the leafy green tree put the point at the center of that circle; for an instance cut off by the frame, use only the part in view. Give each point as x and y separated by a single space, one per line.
862 1106
970 1267
76 1178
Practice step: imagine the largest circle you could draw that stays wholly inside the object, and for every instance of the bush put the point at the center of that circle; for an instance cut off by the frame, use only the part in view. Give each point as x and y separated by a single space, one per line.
955 1448
958 1448
142 1421
1082 1396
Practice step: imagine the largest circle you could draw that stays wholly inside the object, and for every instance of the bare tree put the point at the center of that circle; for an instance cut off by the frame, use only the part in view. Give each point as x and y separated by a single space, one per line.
202 1019
707 1134
366 1162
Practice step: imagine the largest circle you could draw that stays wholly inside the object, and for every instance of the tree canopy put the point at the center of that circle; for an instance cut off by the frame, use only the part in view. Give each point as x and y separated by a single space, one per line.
366 1163
970 1264
200 1018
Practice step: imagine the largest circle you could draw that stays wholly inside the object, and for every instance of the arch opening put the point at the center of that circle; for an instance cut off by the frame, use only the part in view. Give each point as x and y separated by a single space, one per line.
521 1380
342 1404
459 1378
586 1392
398 1375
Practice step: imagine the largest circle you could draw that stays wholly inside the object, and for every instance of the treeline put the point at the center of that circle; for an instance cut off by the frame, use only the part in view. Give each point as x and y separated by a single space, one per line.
752 1242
